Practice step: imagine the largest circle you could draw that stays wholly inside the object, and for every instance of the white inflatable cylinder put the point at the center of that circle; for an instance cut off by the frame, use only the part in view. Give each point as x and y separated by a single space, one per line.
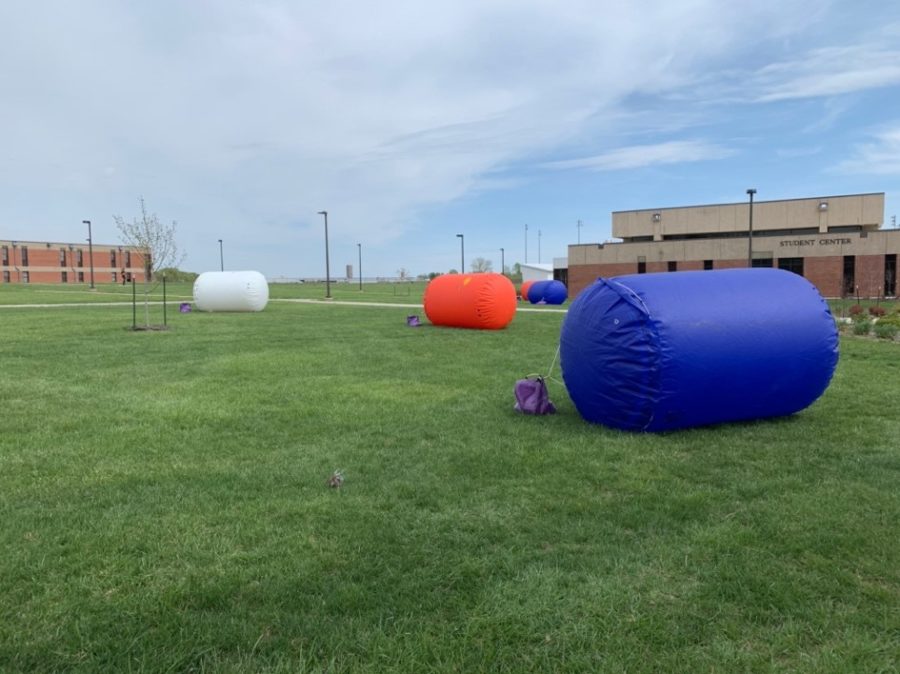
231 291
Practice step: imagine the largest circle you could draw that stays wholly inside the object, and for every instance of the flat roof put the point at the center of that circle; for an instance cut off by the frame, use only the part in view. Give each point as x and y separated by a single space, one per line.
745 202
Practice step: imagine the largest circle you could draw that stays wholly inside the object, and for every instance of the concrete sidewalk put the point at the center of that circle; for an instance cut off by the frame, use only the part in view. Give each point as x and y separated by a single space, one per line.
294 301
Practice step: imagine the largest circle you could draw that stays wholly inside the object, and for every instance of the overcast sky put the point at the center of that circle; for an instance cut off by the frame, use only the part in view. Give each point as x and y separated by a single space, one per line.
411 122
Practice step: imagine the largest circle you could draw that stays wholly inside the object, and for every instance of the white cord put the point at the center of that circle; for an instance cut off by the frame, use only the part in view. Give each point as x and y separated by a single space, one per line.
552 365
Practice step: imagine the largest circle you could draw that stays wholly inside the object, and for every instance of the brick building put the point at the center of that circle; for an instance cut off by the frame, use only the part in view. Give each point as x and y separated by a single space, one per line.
51 262
836 242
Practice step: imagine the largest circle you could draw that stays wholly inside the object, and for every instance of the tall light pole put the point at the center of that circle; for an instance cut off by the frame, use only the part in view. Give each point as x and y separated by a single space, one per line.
327 262
503 262
221 257
751 192
539 246
359 246
90 250
526 243
578 227
462 254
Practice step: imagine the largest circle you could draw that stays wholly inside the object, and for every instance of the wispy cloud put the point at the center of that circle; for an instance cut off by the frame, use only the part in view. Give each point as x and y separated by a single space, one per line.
242 120
637 156
828 72
880 157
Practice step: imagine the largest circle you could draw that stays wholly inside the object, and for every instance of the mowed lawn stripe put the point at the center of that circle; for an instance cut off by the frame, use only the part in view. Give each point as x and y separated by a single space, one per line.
164 507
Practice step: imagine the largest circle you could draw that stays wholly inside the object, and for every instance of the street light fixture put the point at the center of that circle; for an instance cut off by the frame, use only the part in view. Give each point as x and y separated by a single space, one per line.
750 192
90 250
221 257
462 254
327 262
502 262
359 246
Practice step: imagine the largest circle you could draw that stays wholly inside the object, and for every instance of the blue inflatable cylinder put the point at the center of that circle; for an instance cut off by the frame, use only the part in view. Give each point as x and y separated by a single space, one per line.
657 352
549 292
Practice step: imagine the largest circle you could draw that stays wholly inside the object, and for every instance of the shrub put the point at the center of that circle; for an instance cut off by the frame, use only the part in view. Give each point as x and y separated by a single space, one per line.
877 311
856 312
885 330
862 327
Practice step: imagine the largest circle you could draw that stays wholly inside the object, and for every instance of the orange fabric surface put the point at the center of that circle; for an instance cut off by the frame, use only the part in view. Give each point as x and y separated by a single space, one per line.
480 301
523 291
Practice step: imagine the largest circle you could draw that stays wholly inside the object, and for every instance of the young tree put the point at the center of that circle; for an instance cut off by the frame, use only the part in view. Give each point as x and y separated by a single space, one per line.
156 242
479 264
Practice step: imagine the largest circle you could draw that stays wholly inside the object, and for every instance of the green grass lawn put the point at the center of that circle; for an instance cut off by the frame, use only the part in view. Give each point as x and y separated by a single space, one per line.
164 507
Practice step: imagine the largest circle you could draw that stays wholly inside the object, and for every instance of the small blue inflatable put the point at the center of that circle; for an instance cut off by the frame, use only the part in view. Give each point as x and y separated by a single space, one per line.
548 292
657 352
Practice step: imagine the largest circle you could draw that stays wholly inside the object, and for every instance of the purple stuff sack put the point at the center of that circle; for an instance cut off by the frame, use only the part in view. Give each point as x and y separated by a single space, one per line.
532 397
185 308
412 321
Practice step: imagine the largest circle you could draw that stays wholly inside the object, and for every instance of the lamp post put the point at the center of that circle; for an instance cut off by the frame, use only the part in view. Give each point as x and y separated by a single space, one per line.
221 257
526 243
327 263
503 262
462 254
359 246
90 250
750 192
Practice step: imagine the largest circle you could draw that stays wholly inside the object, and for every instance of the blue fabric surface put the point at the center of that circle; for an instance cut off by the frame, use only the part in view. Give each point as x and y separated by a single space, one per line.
549 292
657 352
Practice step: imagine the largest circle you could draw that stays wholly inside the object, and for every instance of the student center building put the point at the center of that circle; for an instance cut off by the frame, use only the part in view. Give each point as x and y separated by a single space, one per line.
836 242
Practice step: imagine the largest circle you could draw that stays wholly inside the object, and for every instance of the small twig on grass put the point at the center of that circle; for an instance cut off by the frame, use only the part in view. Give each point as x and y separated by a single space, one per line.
336 479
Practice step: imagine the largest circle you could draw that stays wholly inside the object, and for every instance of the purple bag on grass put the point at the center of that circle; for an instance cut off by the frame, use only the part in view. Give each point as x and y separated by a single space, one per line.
532 397
412 321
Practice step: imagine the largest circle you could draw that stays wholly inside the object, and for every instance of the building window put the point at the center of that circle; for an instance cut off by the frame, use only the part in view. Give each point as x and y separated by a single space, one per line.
25 257
62 257
26 277
642 266
766 263
890 275
112 259
6 277
79 258
849 278
81 277
794 264
127 258
65 276
672 265
5 259
707 265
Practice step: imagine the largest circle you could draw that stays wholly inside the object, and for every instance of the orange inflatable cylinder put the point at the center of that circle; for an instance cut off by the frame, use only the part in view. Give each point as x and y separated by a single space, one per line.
479 301
523 291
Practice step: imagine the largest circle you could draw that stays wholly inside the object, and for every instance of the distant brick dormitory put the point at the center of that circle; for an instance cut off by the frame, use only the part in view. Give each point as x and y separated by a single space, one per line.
53 262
